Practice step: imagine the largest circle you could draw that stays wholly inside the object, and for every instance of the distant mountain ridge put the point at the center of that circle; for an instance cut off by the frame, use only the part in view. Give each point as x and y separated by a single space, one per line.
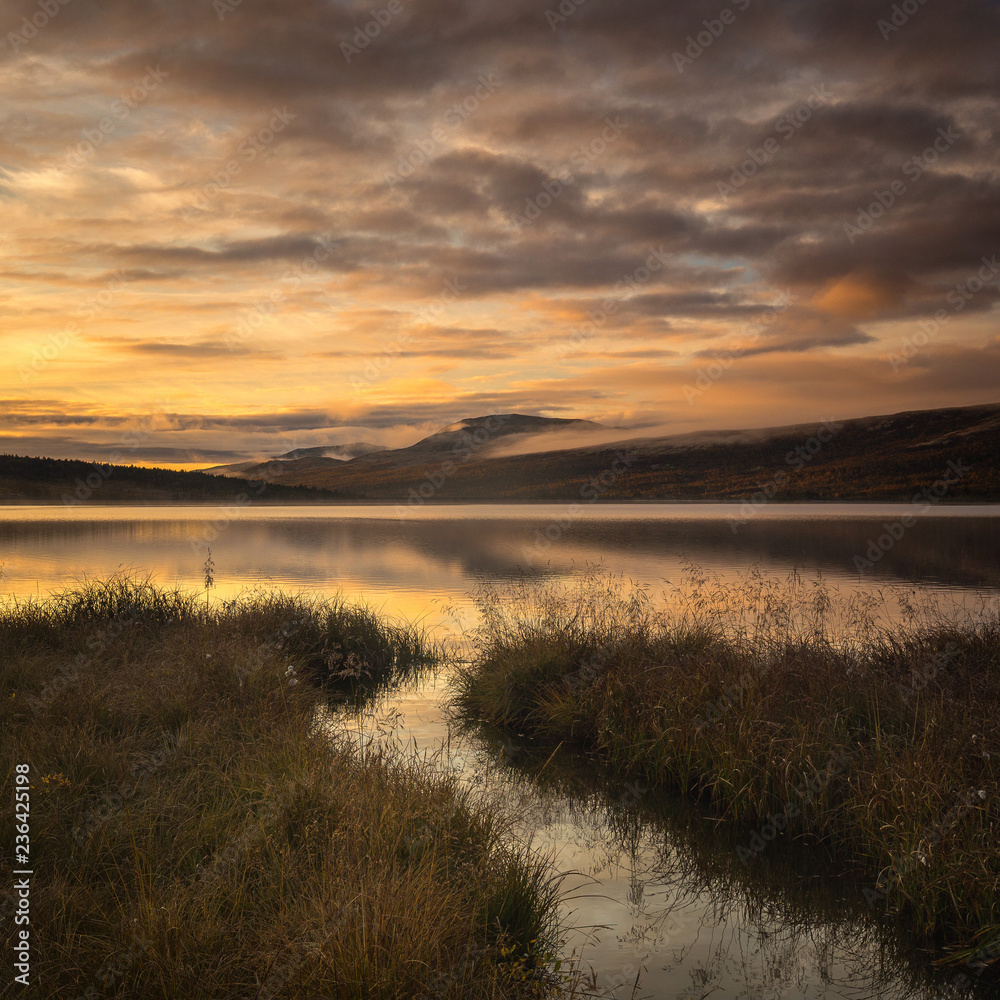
948 455
492 429
878 458
336 452
345 452
497 427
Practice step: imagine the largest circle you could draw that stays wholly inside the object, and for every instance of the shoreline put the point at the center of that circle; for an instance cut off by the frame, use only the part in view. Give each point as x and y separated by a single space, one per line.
193 832
774 504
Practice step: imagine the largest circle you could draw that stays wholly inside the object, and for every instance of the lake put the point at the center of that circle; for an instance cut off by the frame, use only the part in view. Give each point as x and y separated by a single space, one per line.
652 888
411 561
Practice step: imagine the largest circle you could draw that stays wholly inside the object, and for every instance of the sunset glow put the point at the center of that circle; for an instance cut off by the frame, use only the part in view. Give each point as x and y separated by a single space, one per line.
239 228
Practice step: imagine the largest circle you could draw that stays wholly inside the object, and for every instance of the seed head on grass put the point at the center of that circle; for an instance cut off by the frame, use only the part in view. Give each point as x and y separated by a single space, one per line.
229 846
209 571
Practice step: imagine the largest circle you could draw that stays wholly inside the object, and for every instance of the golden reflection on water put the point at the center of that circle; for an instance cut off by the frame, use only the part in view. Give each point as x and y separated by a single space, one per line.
419 565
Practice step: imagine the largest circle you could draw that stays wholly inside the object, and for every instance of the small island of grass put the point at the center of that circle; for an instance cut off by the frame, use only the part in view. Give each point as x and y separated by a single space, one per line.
788 715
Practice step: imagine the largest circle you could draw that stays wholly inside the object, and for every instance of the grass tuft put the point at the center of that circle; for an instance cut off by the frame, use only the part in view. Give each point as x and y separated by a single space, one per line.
196 831
869 724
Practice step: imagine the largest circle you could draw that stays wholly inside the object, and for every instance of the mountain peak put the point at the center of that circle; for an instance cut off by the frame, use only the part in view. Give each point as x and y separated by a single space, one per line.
496 426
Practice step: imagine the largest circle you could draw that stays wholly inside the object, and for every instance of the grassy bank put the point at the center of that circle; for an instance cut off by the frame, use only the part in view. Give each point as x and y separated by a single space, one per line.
195 833
789 902
792 713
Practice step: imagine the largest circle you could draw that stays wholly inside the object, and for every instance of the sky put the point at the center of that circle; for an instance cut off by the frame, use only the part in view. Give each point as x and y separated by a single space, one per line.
231 228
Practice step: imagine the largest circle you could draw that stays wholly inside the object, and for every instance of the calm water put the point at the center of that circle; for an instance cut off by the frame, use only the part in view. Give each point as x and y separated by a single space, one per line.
654 889
415 564
651 887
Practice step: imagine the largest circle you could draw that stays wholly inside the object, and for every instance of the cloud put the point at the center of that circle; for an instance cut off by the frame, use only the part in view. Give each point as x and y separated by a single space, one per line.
240 222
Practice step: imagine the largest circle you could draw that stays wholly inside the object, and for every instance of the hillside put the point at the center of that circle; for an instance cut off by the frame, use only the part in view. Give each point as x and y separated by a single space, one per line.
481 436
518 458
50 480
870 458
341 453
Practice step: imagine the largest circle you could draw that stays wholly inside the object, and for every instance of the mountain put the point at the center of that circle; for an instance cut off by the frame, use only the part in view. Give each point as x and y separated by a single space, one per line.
343 452
487 433
485 436
338 452
948 454
512 457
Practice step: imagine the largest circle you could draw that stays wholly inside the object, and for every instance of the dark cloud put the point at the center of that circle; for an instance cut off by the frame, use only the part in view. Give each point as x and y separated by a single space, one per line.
478 178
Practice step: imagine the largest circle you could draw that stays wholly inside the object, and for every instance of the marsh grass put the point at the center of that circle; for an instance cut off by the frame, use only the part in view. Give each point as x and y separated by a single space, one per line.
790 902
195 833
869 724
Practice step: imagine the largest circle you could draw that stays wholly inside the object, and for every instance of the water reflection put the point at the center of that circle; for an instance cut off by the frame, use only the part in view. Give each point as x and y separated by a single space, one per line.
655 888
438 553
787 924
652 888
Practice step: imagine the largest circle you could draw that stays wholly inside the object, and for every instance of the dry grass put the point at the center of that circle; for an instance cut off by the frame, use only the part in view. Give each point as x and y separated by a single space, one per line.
194 833
791 711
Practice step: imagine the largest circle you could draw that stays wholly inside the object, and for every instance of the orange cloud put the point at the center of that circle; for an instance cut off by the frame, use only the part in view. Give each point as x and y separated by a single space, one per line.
859 296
